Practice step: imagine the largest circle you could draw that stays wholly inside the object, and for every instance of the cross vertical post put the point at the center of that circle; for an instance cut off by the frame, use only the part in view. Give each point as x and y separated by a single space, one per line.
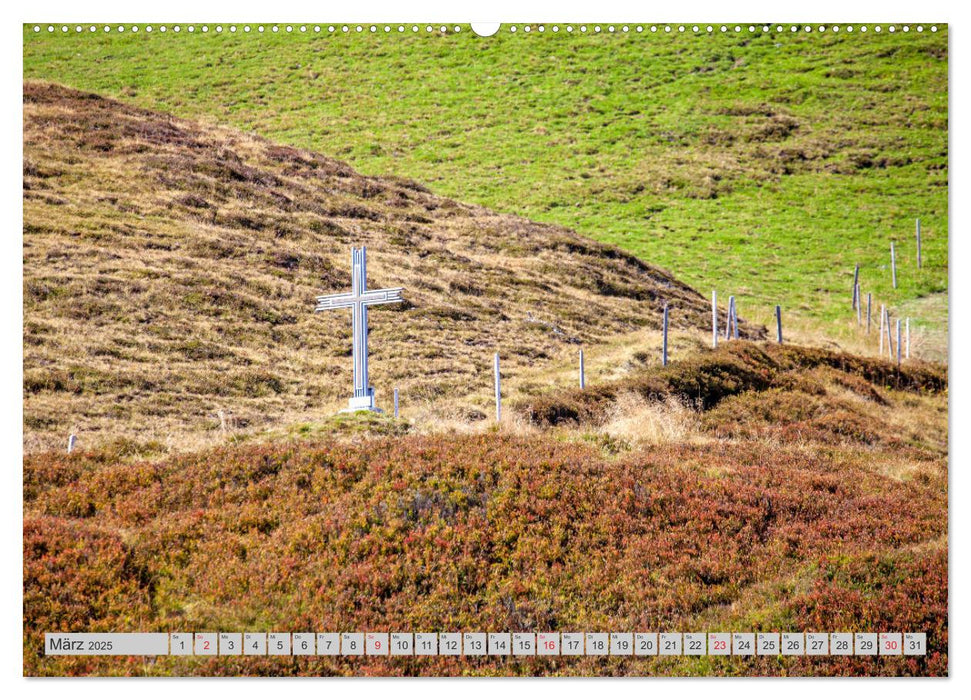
359 321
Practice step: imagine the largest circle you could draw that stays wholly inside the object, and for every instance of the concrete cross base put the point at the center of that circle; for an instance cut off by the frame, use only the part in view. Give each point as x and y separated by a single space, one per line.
367 409
362 403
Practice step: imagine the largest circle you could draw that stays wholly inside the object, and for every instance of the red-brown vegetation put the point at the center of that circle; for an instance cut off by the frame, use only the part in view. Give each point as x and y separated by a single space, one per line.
485 532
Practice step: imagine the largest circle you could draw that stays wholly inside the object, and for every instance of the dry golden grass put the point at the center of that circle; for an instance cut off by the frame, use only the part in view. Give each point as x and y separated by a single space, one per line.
643 423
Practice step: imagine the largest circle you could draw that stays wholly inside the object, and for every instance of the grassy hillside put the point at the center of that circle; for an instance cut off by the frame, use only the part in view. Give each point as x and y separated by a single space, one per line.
818 507
170 272
764 164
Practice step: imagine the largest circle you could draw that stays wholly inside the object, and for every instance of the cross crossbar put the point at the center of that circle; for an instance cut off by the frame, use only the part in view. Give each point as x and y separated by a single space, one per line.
346 300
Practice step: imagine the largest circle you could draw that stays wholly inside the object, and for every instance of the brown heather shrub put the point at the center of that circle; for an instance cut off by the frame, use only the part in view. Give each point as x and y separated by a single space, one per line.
869 593
81 577
794 415
487 531
704 380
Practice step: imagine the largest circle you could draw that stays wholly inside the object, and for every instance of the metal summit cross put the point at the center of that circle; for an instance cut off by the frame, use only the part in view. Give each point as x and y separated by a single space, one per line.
358 300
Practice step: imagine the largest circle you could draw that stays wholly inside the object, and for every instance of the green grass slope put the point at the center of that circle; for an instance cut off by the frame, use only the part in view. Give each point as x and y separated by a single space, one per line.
764 164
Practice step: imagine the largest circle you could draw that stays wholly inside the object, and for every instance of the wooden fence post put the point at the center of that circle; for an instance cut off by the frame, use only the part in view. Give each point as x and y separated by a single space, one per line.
869 316
898 342
498 393
71 440
728 318
893 264
908 340
396 402
919 262
714 319
664 341
583 379
889 338
778 323
856 287
883 315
